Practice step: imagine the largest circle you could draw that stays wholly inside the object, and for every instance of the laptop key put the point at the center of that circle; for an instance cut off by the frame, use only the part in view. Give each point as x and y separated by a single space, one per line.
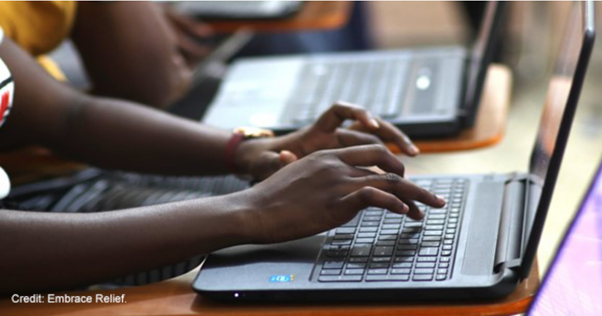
426 259
344 236
364 241
431 238
425 265
377 271
422 277
361 250
428 251
430 244
333 264
330 272
424 271
404 259
354 271
441 277
408 241
370 224
397 277
407 247
340 278
412 224
345 230
366 235
383 251
401 271
402 265
356 265
400 253
379 265
381 259
368 229
385 243
341 242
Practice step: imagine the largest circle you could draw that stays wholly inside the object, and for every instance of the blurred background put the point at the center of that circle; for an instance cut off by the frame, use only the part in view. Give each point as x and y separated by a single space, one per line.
530 42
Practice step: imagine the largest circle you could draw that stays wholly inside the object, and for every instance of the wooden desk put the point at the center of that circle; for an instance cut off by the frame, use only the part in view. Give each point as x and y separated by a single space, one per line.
175 297
314 15
490 125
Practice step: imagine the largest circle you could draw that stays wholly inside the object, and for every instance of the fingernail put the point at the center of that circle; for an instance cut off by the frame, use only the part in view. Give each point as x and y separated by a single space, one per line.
440 199
374 123
405 209
414 150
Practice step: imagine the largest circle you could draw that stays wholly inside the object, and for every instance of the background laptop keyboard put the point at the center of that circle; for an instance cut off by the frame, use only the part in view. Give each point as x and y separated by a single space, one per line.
95 190
382 86
378 245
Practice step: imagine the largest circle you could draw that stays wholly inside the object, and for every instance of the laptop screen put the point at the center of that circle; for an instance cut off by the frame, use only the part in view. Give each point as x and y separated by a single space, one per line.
481 56
557 115
558 92
573 285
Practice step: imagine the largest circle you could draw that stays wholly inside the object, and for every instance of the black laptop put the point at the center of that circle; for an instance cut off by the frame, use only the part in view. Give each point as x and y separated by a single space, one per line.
481 245
427 92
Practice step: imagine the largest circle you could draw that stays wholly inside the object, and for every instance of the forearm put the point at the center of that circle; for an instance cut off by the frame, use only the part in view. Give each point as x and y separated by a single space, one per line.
44 251
129 52
122 135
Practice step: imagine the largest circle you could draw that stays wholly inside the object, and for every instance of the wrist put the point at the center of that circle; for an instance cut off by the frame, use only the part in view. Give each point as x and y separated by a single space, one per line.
246 217
244 146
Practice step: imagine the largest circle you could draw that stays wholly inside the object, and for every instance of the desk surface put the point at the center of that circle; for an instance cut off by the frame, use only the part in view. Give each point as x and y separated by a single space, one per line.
175 297
314 15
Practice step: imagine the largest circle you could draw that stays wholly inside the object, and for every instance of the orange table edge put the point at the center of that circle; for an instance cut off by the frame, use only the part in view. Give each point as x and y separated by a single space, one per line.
313 15
176 297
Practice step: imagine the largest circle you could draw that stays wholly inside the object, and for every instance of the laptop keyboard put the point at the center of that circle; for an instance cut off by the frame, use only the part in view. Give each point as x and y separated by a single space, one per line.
378 84
119 190
378 245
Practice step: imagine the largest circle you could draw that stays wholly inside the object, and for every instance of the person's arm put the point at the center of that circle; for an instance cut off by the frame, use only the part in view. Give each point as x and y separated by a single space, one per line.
105 132
131 51
123 135
45 251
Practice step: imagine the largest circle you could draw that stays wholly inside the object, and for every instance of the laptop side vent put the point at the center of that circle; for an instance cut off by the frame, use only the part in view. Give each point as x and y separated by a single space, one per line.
514 218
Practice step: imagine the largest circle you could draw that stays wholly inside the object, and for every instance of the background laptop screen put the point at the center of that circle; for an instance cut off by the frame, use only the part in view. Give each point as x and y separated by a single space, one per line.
481 54
573 285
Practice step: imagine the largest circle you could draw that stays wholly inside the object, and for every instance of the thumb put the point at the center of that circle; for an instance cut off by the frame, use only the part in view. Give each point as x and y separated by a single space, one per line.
266 164
286 157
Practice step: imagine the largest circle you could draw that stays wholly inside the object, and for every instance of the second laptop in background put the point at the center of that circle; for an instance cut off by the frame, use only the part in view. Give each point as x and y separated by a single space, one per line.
425 92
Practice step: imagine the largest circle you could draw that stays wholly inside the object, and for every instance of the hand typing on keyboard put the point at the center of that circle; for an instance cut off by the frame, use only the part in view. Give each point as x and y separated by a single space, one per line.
262 157
327 189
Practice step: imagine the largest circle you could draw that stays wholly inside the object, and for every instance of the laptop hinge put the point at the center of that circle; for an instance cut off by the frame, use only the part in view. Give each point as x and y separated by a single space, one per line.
514 219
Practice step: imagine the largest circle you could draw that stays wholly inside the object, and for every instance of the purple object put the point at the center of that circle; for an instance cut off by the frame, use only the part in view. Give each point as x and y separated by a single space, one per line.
573 284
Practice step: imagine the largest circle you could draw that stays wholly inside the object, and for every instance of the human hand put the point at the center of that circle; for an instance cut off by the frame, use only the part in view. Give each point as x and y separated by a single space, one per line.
327 189
262 157
190 35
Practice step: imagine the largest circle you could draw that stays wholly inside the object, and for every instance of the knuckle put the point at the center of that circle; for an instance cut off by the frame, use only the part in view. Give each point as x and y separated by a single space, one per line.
378 148
392 178
367 194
